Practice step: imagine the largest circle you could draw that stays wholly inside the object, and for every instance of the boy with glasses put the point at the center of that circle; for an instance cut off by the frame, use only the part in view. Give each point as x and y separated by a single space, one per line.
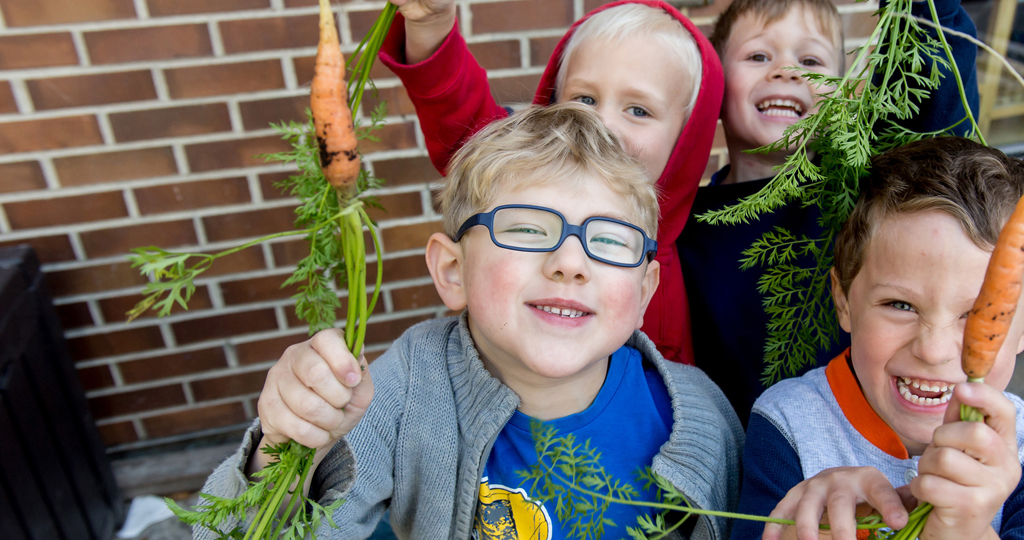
548 249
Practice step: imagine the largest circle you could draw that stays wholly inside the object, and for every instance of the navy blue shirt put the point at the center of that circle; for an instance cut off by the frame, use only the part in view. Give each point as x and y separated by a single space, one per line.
728 320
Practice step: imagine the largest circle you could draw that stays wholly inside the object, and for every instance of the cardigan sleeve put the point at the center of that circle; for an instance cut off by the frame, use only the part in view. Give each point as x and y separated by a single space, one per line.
449 90
771 468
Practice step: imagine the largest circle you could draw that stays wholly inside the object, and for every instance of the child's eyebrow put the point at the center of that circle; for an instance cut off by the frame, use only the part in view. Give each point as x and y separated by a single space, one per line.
903 291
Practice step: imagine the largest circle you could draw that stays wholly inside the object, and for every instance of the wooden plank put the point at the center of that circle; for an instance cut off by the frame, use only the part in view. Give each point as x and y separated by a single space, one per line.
1000 25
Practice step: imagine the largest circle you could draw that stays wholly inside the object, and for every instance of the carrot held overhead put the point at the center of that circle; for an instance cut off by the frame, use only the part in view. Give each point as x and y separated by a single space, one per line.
328 101
990 318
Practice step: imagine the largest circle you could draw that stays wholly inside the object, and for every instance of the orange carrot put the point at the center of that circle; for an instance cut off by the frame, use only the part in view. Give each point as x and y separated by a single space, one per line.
989 319
329 103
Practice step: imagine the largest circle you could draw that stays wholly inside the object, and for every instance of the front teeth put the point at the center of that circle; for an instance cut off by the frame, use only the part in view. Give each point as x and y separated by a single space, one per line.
903 383
796 108
563 312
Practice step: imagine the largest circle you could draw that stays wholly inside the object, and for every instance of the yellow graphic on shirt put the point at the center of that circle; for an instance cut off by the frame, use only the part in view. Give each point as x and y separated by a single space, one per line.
508 514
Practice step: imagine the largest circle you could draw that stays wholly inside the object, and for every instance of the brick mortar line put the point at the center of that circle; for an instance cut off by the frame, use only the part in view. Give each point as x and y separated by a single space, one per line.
57 191
132 204
202 242
140 429
291 79
3 23
216 39
141 10
255 336
113 326
163 92
149 219
50 174
78 39
95 311
282 318
181 161
281 271
76 247
216 295
235 116
167 333
164 410
22 97
172 63
155 353
115 373
231 356
491 37
106 129
167 102
5 225
186 389
144 444
169 20
203 138
256 190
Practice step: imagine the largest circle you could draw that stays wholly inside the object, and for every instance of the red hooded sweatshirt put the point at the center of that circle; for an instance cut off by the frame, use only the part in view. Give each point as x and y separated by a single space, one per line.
453 101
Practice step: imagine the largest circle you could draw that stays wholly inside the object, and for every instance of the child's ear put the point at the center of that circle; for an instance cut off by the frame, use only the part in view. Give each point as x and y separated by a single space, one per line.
647 287
444 261
839 298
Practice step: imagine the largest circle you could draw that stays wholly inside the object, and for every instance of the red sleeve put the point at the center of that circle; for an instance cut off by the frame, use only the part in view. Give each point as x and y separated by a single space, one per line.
449 90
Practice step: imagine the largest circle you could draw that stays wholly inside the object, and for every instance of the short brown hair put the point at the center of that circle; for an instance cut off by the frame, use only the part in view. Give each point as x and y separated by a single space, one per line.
565 143
769 11
977 185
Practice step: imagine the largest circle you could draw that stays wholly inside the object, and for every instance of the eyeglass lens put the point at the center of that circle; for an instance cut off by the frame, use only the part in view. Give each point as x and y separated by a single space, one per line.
530 228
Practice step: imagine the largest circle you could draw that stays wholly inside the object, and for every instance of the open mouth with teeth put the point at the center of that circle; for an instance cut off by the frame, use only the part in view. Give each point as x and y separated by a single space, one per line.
922 392
563 312
784 108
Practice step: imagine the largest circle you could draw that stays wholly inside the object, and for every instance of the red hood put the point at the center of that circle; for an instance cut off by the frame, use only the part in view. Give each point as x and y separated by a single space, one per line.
689 159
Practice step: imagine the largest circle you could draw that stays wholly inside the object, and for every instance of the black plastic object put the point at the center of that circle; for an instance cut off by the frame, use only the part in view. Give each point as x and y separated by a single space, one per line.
55 479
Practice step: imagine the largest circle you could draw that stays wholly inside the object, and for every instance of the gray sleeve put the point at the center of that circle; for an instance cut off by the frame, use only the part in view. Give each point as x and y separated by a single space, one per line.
370 447
228 480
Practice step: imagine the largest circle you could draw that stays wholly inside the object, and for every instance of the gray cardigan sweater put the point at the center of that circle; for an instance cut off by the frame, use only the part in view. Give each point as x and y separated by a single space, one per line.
436 411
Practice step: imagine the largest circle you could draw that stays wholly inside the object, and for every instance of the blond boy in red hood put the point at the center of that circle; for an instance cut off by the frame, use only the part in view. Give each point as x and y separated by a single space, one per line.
653 77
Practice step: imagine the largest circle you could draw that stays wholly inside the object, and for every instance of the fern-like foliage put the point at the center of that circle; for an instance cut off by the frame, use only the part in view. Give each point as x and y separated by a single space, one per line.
829 154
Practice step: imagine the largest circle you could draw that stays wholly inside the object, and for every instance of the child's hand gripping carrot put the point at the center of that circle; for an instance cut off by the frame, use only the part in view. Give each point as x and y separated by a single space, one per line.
843 492
315 394
427 23
970 468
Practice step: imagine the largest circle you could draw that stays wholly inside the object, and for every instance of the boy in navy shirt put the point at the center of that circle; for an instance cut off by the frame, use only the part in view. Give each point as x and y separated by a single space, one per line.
547 248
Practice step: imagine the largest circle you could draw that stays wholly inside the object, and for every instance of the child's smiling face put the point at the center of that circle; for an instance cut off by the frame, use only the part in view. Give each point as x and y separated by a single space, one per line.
639 91
510 294
762 96
906 310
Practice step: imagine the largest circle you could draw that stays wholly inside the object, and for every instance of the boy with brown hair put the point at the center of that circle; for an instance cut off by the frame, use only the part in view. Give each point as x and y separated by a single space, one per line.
885 413
547 252
763 44
650 73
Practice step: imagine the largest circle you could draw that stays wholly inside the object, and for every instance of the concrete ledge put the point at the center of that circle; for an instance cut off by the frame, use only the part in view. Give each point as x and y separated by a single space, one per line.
173 472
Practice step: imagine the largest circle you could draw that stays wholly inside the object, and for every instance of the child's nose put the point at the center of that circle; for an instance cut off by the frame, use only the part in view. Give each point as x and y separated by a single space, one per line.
937 345
782 69
569 262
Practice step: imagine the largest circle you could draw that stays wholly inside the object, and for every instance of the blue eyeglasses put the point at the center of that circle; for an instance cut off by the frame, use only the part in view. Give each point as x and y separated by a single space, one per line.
522 227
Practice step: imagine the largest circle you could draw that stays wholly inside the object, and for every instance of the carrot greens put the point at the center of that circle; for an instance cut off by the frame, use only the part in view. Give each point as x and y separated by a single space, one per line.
333 220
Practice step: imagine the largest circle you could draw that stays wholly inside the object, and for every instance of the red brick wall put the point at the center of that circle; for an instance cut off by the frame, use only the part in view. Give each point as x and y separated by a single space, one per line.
127 123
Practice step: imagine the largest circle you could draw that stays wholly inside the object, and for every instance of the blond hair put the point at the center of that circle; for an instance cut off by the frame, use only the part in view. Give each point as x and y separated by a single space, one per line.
977 185
622 22
564 143
769 11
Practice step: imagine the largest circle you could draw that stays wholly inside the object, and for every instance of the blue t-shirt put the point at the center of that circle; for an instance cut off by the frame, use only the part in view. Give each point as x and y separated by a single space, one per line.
629 420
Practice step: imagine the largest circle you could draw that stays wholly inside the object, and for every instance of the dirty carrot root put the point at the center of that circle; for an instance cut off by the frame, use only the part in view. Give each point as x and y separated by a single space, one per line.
328 103
990 318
